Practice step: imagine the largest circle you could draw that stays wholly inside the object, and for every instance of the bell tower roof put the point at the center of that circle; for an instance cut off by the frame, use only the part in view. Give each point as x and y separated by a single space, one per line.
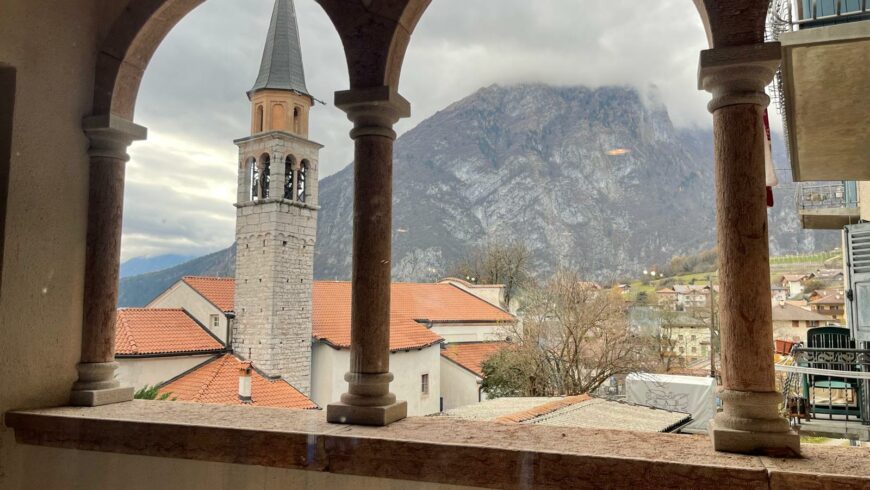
281 67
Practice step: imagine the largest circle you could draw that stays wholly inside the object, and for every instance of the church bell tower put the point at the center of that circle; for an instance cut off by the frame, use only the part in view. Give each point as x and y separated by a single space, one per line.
276 213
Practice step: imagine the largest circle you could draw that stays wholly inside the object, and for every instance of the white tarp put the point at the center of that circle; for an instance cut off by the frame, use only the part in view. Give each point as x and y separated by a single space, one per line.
689 394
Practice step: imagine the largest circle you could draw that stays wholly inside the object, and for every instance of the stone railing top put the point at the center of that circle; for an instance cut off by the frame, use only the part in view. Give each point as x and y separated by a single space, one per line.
431 449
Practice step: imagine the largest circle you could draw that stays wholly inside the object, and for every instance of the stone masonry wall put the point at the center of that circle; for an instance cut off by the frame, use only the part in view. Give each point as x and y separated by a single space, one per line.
274 272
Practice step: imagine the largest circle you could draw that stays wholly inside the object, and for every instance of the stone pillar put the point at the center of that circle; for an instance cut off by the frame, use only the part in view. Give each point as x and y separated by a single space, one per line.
368 400
109 138
750 422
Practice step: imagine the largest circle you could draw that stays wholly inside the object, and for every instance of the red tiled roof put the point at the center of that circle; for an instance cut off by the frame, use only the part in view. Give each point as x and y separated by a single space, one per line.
471 356
518 417
217 381
143 331
831 299
409 302
331 320
220 291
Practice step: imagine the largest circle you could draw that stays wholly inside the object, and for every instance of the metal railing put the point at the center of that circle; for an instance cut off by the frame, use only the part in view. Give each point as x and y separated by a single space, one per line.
811 13
835 195
834 382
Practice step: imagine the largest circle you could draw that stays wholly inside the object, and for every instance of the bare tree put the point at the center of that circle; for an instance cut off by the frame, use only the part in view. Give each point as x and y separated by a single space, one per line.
497 263
572 339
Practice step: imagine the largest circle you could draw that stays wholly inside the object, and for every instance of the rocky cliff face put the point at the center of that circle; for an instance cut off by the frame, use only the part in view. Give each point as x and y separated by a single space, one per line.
593 179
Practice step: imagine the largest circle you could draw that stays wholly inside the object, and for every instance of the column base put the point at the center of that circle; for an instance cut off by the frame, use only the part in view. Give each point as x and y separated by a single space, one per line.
342 413
97 385
777 444
95 398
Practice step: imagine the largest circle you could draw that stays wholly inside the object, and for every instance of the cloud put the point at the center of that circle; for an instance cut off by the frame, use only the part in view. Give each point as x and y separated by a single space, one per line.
181 182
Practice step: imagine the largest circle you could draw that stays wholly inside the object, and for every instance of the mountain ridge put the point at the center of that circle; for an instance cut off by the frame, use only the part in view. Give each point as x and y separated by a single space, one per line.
542 165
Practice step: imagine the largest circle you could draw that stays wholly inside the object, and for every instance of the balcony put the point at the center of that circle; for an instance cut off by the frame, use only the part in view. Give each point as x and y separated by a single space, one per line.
828 206
821 89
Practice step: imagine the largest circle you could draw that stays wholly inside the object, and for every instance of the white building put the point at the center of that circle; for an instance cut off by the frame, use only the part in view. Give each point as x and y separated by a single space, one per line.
153 345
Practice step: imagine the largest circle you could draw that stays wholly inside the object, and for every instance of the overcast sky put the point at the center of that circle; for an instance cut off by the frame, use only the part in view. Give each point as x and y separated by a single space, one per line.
181 182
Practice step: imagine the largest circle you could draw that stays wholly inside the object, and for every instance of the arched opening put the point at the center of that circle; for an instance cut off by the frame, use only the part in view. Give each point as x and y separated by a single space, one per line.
260 121
254 178
297 120
289 179
264 175
279 117
301 184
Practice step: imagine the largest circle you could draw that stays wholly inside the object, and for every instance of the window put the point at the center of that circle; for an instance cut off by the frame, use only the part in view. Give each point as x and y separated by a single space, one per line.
289 163
694 350
424 384
680 337
264 177
297 120
255 180
214 321
301 181
682 350
260 119
694 338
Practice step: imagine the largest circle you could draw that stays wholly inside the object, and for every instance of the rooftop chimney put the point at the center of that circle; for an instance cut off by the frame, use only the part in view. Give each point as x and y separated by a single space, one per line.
245 382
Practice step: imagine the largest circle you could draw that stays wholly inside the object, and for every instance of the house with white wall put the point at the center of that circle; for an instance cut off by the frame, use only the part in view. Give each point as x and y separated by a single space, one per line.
207 299
153 345
462 372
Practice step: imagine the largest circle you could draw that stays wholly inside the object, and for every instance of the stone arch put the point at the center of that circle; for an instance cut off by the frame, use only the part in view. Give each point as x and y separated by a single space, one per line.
302 191
290 165
375 37
265 164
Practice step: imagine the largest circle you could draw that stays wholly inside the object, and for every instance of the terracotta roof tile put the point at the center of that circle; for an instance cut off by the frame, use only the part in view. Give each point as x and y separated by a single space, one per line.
471 356
220 291
830 299
524 415
409 302
331 320
217 381
145 331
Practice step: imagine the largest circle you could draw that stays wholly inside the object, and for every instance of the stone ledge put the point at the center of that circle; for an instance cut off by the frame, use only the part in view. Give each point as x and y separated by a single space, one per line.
431 449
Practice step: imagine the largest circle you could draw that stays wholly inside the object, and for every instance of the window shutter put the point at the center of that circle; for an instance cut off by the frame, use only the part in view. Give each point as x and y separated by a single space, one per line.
858 267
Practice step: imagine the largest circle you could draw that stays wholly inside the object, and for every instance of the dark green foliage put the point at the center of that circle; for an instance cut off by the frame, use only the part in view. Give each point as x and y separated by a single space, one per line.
152 393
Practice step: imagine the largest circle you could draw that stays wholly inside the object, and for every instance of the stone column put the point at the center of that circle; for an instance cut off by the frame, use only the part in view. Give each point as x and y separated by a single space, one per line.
109 138
750 422
368 400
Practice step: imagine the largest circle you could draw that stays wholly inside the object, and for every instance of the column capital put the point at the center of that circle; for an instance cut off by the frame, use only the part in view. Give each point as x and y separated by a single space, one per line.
110 135
738 74
373 110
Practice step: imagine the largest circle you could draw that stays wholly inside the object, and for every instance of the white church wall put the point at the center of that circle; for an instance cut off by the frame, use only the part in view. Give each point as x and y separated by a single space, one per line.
182 295
141 371
459 386
329 366
484 332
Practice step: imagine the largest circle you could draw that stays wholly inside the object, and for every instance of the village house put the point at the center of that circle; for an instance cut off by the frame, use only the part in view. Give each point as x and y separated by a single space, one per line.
423 316
831 305
685 296
778 292
791 322
153 345
794 283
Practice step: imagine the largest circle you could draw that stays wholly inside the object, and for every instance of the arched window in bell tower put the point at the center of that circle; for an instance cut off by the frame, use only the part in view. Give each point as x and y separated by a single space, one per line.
254 176
297 120
264 175
302 182
260 121
289 163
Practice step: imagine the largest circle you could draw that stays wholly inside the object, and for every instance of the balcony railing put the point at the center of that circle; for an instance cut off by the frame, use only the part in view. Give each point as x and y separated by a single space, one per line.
813 13
827 196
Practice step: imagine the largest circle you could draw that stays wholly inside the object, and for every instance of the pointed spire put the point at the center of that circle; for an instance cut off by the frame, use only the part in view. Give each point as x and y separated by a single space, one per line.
281 68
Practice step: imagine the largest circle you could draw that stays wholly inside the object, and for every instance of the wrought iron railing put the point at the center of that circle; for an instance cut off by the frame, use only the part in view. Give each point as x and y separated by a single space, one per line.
834 195
835 382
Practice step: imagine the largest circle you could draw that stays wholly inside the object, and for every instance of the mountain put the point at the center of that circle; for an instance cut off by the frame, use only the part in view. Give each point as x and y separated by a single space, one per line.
141 289
594 179
144 265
